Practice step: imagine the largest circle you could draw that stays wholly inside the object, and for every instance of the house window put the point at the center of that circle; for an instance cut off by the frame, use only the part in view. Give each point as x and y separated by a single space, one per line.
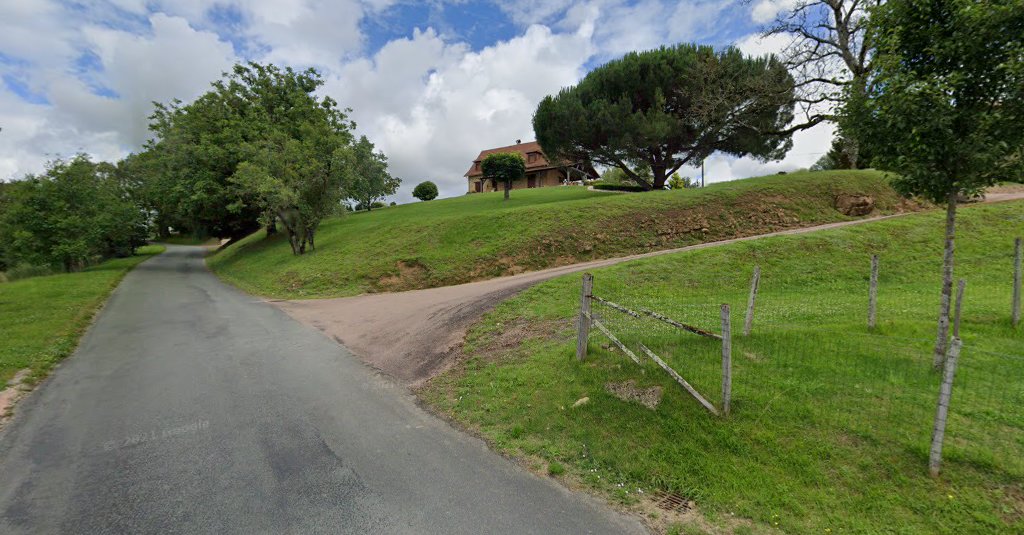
476 166
531 157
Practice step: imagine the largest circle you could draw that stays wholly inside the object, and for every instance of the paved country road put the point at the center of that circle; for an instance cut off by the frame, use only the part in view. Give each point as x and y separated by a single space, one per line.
193 408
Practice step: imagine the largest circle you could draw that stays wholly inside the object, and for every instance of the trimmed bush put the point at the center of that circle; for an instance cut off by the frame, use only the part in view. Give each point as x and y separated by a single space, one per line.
425 191
618 187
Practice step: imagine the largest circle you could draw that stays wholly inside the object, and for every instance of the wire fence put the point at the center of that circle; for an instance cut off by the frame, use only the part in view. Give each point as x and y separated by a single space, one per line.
816 370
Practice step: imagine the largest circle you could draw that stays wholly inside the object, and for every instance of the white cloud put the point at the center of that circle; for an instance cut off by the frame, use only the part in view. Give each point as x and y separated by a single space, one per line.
765 11
306 32
432 106
176 61
429 101
756 45
172 61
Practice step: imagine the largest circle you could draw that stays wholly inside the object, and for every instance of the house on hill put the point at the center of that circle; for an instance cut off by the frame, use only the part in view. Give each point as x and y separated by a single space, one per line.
539 171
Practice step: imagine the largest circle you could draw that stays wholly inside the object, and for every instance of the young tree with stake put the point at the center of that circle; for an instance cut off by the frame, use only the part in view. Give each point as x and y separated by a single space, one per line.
944 107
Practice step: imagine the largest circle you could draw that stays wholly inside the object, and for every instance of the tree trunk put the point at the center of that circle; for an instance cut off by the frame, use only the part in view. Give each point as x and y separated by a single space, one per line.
660 177
508 186
292 237
852 150
942 338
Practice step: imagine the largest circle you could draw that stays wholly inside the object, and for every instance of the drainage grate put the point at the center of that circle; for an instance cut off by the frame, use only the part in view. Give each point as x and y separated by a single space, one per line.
670 501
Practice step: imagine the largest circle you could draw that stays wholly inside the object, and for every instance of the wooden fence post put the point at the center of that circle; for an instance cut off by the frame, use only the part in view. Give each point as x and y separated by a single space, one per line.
873 292
942 413
726 360
956 312
583 334
1015 316
748 323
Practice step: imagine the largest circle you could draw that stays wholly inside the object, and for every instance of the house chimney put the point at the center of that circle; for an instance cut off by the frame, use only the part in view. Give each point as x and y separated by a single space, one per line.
519 142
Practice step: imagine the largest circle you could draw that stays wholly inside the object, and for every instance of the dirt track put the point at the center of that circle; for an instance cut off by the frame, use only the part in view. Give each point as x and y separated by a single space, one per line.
410 335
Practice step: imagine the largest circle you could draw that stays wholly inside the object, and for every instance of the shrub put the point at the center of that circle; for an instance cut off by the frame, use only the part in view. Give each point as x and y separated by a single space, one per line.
375 204
25 270
425 191
618 187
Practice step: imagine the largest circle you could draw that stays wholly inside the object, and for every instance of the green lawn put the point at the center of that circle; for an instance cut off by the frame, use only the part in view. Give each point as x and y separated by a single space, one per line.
831 423
42 318
480 236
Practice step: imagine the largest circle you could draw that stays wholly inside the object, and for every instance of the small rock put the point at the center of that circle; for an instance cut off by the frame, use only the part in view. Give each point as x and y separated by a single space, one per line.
581 402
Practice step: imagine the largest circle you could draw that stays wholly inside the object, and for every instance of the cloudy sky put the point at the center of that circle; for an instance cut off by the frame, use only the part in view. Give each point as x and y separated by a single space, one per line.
430 83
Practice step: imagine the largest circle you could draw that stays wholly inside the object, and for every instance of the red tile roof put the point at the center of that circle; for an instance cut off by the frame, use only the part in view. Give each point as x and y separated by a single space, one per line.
541 162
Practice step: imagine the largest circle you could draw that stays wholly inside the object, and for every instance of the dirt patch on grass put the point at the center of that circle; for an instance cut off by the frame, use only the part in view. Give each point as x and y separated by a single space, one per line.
15 389
496 267
1012 504
505 343
628 391
407 274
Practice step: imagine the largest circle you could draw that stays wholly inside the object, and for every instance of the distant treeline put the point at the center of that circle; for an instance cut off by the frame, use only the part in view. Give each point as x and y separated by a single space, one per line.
258 149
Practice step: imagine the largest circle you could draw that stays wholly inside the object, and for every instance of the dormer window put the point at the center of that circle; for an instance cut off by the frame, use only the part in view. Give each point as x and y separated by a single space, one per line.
531 157
476 166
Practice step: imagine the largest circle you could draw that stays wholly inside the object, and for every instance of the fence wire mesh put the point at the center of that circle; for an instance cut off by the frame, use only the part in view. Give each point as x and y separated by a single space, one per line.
813 370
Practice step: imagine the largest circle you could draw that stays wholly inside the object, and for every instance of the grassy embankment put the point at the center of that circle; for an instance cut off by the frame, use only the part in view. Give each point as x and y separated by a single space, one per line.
481 236
831 423
42 318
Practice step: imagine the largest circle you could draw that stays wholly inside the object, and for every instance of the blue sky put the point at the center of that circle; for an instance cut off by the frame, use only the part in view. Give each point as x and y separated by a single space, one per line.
431 83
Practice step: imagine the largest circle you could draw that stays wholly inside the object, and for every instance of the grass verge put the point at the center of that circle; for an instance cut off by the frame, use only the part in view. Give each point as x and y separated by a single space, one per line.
831 422
480 236
42 318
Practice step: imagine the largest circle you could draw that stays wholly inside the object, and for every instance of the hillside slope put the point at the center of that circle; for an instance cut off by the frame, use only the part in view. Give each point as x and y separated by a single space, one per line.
481 236
831 421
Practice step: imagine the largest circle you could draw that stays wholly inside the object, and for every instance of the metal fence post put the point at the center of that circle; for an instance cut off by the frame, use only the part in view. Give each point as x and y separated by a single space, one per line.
726 360
873 292
755 282
583 324
942 413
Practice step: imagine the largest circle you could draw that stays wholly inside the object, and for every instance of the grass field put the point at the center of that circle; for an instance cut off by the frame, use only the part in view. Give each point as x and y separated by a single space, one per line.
42 318
831 423
481 236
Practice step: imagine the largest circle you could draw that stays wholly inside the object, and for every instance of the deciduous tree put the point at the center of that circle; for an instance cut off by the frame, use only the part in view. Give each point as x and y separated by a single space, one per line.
258 147
75 212
365 174
829 53
945 105
504 168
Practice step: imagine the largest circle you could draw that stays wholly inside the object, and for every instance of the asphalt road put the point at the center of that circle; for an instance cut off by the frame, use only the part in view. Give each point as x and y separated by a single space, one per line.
191 407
